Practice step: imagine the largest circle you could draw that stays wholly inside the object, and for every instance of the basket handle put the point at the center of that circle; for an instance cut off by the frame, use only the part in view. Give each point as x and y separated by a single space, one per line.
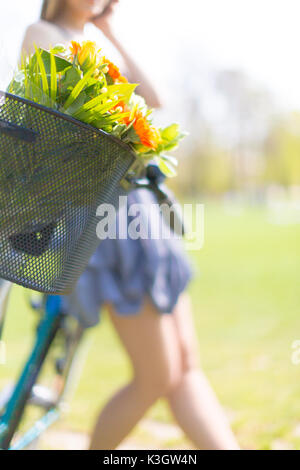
18 132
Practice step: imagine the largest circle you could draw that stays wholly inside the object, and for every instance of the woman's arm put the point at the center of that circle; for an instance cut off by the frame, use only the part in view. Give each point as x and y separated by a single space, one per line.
136 75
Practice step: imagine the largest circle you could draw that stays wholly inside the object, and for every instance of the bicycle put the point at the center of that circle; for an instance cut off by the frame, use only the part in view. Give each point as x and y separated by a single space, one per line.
53 325
50 245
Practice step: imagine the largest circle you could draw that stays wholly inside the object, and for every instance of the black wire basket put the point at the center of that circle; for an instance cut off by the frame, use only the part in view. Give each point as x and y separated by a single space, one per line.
54 173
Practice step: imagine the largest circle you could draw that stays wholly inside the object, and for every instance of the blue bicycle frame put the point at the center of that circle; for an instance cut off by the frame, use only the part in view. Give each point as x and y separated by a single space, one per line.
15 406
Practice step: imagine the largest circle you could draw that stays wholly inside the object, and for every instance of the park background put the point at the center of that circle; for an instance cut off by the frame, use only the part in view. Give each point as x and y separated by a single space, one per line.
229 72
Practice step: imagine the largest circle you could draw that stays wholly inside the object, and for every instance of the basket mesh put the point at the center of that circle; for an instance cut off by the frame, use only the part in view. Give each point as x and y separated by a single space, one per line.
54 173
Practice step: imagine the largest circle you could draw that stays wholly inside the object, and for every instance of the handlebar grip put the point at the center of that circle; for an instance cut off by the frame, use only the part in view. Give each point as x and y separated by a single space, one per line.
18 132
164 196
175 221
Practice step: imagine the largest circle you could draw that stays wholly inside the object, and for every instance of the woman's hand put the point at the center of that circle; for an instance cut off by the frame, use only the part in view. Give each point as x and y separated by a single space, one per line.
134 73
104 21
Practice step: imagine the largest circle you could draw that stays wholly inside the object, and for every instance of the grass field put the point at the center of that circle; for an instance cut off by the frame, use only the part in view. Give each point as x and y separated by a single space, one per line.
247 312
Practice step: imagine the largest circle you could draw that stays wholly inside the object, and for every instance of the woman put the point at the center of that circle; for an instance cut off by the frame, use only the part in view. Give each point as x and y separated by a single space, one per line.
142 283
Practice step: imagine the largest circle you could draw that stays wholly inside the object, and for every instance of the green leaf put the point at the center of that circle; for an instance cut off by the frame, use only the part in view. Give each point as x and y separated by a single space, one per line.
58 49
88 116
118 130
18 83
70 79
108 119
76 105
170 133
79 87
132 137
42 70
171 136
169 159
109 79
123 91
61 64
167 168
53 78
171 146
33 73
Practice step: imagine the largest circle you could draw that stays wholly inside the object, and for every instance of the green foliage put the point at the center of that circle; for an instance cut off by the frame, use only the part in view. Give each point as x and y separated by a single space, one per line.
53 78
79 87
88 93
170 138
282 152
247 315
105 101
42 72
69 80
167 165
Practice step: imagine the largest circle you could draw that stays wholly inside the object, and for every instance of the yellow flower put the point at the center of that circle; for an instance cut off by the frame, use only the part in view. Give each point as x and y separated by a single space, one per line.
86 53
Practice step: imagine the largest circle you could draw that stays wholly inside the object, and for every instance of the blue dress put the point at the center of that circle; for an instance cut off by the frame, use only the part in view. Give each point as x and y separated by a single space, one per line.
123 271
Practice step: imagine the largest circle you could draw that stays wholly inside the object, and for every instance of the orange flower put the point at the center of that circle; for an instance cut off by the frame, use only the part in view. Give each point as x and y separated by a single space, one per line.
75 48
149 135
123 109
114 71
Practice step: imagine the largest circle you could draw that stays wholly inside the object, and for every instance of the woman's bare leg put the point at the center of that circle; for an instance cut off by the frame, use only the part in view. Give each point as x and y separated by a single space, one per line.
151 343
162 352
193 401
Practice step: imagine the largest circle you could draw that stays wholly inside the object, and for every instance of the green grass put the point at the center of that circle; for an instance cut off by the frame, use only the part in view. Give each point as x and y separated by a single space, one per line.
247 313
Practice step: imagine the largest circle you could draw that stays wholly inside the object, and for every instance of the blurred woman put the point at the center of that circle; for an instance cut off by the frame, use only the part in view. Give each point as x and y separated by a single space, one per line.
141 282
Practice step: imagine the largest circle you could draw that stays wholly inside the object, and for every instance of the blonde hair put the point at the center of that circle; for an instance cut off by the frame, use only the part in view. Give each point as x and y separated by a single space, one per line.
50 9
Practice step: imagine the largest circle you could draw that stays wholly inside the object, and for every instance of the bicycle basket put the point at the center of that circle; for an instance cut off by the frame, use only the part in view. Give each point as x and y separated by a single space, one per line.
54 173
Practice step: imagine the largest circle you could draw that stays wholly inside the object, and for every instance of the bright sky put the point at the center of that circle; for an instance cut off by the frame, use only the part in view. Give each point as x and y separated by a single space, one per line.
261 37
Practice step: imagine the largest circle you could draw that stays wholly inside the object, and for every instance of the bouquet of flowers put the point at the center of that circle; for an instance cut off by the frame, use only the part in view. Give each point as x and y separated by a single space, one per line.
84 84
